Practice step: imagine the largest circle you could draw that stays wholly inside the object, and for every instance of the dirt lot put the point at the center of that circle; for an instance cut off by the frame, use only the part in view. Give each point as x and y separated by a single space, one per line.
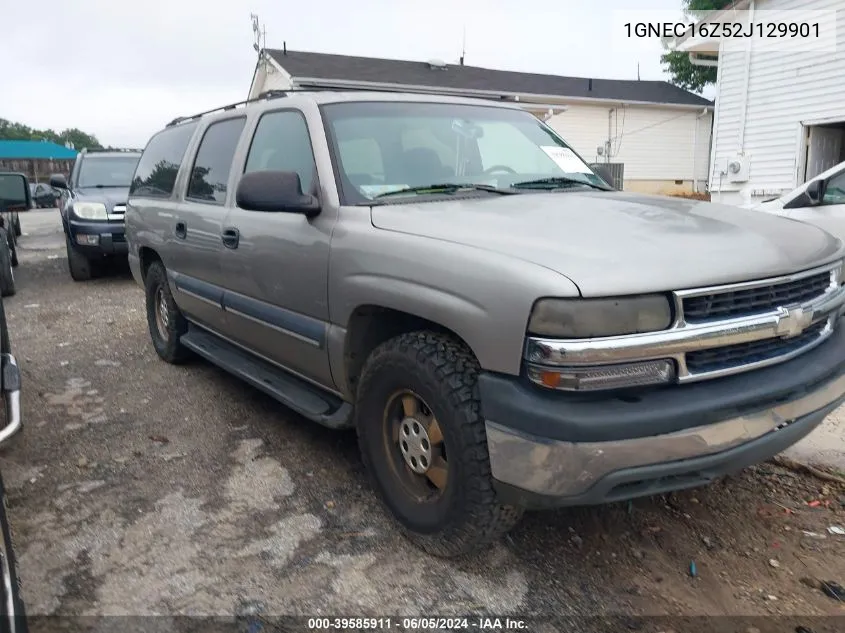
137 487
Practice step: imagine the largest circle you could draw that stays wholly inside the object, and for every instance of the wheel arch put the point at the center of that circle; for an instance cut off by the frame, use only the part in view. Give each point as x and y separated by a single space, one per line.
369 326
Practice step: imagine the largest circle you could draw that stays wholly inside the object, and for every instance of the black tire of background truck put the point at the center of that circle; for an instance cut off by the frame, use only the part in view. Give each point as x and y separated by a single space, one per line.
79 266
443 372
20 609
7 276
18 225
13 252
168 347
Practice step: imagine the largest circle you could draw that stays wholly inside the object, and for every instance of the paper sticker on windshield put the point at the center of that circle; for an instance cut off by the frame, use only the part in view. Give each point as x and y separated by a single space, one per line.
566 159
371 191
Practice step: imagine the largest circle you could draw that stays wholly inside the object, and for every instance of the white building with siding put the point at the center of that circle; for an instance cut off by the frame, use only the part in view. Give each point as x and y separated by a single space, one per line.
659 132
780 116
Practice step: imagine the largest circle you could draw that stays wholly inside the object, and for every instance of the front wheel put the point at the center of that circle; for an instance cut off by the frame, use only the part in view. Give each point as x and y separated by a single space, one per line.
424 443
79 266
17 225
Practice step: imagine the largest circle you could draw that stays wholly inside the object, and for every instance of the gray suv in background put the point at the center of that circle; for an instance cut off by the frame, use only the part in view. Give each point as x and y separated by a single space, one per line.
502 329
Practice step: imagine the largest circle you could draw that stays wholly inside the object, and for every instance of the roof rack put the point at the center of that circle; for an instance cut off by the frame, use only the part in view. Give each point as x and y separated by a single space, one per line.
100 150
267 94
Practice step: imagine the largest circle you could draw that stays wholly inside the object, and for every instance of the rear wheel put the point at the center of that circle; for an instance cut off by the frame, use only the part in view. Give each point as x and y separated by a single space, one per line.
164 319
79 266
7 275
424 443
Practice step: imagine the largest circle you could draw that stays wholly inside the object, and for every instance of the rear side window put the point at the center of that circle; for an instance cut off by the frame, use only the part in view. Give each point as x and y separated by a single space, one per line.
210 175
155 175
281 143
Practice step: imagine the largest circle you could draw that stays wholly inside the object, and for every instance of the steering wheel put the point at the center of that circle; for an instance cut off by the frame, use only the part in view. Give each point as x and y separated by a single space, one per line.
504 168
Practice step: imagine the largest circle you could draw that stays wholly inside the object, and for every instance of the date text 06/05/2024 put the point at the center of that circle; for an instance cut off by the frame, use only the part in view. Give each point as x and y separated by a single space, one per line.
413 624
722 29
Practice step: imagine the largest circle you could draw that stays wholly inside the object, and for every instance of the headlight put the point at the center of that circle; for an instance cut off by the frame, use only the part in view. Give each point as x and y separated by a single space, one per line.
90 210
587 318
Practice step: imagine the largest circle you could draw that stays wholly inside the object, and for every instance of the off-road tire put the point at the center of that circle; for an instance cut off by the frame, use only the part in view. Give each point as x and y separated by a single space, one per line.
169 347
81 268
444 373
7 275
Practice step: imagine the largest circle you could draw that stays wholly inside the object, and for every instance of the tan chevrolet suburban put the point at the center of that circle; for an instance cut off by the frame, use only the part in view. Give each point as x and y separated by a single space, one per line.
503 330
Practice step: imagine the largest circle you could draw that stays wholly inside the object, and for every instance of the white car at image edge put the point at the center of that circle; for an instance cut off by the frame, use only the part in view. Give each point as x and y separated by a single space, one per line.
819 201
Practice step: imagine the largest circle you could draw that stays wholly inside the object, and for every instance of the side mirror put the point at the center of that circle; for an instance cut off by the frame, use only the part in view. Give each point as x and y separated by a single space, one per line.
58 181
275 191
14 193
810 197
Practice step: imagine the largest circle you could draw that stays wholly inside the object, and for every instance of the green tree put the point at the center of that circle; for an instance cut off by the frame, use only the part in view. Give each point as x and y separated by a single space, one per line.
79 139
683 72
12 131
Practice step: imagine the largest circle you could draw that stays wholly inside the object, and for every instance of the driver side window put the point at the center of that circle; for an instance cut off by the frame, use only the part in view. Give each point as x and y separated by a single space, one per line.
834 192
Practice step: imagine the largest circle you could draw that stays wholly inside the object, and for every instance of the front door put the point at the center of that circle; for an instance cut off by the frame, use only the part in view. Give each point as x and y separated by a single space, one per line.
275 264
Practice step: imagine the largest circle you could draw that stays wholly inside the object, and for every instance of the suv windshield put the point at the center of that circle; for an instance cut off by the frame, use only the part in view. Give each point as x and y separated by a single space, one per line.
106 171
384 147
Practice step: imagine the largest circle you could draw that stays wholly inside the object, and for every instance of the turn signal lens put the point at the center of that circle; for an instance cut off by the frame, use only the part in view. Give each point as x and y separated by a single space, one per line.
652 372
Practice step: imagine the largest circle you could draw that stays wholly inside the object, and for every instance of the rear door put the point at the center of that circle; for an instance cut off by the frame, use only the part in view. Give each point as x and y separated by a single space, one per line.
197 222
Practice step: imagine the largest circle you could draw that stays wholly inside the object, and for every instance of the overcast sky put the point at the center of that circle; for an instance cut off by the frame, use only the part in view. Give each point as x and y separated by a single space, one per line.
120 69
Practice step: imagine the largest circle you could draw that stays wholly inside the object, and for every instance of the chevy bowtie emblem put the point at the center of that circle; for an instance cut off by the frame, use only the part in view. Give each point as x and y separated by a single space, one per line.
792 322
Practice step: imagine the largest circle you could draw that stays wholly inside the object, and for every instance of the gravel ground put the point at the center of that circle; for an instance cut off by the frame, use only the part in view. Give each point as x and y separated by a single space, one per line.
139 488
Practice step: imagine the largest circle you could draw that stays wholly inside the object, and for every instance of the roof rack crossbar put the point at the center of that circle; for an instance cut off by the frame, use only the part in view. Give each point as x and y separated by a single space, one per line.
267 94
95 150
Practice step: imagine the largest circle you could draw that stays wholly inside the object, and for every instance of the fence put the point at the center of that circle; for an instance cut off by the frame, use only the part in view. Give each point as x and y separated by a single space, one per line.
37 169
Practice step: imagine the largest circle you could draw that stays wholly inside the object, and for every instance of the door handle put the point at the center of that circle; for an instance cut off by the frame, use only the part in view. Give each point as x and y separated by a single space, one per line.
230 236
181 230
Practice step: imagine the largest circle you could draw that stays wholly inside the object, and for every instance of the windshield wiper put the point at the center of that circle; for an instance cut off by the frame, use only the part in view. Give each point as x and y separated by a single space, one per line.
556 182
103 186
447 188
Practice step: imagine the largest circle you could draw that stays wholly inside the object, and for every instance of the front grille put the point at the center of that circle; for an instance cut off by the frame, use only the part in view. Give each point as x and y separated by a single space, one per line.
719 358
754 300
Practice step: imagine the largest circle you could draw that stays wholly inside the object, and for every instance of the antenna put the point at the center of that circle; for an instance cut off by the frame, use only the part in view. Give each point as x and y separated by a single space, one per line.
638 71
464 45
260 33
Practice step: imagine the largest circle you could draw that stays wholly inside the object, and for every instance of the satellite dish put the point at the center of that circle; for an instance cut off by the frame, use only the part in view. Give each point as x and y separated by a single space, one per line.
437 63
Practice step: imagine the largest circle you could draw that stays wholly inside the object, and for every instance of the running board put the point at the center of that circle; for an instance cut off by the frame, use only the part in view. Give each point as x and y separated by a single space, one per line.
295 393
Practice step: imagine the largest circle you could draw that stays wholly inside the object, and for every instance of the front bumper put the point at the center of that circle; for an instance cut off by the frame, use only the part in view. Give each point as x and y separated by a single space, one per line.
557 449
112 237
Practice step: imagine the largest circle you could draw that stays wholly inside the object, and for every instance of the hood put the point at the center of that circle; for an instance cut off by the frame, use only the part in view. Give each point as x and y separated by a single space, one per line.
616 243
109 195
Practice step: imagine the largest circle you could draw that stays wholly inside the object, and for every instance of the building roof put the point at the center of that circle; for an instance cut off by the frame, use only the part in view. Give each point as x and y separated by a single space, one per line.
454 76
35 150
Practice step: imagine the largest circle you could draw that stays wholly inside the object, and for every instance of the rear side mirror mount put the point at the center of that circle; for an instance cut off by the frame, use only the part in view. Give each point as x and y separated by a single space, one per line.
14 192
58 181
810 197
815 191
275 191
